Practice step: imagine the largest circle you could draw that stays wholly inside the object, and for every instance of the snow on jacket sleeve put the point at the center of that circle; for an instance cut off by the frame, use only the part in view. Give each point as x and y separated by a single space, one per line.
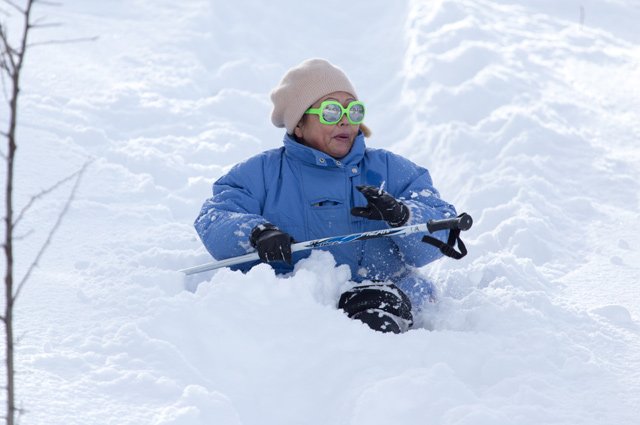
412 184
226 219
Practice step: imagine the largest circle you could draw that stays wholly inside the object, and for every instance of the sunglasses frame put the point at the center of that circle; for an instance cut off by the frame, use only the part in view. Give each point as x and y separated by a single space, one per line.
345 111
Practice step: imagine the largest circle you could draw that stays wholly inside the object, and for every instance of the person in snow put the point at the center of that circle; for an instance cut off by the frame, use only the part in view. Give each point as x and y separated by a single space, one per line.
325 182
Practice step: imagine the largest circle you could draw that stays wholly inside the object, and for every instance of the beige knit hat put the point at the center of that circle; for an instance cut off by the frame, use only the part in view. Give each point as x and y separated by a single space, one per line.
302 86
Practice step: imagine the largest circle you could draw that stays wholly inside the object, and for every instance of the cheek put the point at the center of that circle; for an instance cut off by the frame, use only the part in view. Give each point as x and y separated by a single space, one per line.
313 135
321 133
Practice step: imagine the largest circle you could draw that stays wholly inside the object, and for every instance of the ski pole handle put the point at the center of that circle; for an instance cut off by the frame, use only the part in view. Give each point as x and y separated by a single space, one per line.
462 222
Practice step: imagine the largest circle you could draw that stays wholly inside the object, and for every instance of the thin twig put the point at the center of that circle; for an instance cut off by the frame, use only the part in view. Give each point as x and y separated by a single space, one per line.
48 3
42 194
23 43
53 230
4 86
39 23
68 41
7 53
24 236
12 4
46 25
21 337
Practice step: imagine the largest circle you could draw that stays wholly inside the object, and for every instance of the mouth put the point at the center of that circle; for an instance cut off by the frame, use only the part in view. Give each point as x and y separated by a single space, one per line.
342 137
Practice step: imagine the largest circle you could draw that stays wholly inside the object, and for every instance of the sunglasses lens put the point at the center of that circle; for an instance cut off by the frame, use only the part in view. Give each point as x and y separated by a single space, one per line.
332 113
356 113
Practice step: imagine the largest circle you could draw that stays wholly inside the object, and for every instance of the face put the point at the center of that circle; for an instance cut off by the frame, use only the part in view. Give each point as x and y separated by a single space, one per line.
334 140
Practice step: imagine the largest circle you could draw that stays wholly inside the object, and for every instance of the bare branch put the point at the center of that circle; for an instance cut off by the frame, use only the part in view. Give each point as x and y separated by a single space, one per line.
15 6
23 236
48 3
4 85
21 337
46 25
7 53
68 41
12 61
39 23
25 33
44 193
53 230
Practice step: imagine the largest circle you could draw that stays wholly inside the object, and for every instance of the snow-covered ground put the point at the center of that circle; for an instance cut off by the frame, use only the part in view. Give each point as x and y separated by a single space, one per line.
526 115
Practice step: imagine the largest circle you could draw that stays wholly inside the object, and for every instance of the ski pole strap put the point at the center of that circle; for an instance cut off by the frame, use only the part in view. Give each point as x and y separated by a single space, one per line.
449 248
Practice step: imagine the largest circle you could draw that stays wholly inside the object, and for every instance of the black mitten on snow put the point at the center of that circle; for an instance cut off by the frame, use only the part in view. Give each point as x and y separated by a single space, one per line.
381 206
271 243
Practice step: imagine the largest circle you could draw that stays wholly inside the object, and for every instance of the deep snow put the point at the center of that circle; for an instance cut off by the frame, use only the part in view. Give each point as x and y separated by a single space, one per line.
526 115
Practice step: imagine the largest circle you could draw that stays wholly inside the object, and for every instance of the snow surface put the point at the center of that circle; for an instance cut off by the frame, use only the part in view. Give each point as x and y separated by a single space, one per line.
526 114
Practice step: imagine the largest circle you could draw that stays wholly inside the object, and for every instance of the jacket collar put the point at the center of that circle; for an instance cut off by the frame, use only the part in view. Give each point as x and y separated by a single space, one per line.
309 155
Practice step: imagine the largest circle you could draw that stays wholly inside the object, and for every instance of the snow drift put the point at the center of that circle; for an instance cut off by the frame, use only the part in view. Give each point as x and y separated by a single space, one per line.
526 117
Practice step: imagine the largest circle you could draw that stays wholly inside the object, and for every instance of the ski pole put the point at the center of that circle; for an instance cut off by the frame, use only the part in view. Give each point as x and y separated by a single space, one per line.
462 222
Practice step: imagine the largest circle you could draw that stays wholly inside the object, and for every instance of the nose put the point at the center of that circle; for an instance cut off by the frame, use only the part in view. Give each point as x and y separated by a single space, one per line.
344 120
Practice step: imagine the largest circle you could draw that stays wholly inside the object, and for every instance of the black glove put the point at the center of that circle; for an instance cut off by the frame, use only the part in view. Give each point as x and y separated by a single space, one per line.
381 206
271 243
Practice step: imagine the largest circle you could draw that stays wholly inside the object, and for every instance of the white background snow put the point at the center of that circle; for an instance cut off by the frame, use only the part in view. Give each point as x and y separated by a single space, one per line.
526 114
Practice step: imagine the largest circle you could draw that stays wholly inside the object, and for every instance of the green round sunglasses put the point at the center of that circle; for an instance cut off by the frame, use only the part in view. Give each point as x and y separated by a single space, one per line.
331 112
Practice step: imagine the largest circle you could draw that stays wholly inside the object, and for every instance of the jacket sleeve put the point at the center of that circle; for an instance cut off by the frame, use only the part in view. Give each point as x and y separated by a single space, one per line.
412 185
227 218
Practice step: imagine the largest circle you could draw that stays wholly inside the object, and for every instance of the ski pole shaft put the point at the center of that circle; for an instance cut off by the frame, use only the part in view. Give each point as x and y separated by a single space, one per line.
316 243
431 226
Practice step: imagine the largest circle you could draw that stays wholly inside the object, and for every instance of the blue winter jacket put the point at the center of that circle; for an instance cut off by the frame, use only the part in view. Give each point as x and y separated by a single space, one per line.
309 195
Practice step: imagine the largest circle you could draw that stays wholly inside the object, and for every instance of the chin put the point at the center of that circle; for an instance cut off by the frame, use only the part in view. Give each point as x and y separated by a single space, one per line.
341 153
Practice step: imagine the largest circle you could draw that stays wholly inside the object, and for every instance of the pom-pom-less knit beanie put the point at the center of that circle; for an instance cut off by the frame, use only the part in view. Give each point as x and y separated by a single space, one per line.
302 86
